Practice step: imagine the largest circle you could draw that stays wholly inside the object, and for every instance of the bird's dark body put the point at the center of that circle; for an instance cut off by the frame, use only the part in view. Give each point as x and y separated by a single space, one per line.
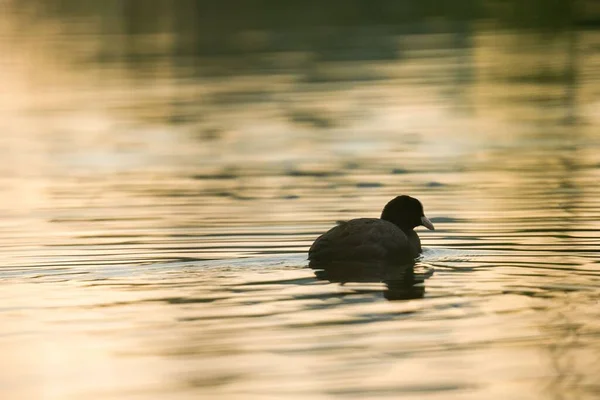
364 240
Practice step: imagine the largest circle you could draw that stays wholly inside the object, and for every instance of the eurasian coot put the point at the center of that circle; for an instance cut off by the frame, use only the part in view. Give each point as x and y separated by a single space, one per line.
389 239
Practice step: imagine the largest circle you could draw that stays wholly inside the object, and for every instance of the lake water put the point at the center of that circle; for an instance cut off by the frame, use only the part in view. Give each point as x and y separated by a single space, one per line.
160 191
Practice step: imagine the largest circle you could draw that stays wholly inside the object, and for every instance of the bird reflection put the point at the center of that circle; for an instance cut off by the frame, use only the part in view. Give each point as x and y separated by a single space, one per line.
402 283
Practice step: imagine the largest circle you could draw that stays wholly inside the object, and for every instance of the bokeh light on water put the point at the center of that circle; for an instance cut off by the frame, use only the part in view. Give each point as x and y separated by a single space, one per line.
167 164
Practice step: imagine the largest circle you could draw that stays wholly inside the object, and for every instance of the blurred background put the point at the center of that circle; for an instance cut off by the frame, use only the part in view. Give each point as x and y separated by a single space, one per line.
167 164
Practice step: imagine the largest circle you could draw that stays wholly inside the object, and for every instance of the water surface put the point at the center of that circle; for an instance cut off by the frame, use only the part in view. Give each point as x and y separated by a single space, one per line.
158 202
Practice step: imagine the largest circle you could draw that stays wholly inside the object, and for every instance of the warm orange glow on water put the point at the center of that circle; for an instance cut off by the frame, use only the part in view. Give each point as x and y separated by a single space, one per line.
157 205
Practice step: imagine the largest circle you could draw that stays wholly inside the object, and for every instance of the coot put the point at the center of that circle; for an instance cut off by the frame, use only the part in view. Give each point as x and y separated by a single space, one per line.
389 239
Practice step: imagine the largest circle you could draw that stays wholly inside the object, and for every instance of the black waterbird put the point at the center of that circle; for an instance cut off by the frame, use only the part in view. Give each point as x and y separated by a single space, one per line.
390 239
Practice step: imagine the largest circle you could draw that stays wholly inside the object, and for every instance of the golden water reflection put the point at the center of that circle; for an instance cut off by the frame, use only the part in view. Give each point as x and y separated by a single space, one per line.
157 205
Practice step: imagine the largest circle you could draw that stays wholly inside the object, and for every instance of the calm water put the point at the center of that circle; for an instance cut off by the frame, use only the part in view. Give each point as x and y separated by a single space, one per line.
158 202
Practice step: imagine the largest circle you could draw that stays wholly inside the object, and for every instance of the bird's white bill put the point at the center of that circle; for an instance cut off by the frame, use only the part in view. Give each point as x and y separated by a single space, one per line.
427 223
